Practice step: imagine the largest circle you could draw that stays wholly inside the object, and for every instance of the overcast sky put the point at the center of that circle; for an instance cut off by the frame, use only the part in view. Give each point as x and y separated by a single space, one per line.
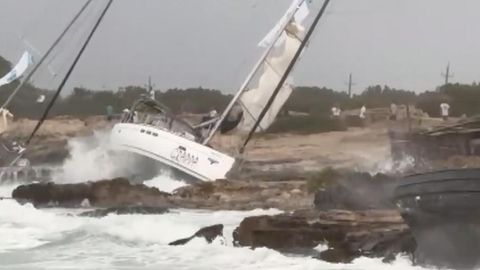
212 43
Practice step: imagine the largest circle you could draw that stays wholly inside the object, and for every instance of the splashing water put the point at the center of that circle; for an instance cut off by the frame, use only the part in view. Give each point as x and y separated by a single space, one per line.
391 166
92 159
59 239
165 181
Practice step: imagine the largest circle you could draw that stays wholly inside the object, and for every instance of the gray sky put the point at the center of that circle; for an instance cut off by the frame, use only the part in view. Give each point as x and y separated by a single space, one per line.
212 43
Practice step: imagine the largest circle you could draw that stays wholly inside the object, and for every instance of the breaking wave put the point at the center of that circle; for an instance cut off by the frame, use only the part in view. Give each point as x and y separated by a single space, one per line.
91 158
165 181
57 238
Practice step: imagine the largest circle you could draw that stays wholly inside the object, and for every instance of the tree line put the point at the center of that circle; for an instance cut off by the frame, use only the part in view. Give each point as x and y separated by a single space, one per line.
463 99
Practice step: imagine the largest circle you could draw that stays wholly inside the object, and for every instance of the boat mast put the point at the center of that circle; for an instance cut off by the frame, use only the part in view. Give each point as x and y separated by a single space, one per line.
69 72
40 62
257 66
285 75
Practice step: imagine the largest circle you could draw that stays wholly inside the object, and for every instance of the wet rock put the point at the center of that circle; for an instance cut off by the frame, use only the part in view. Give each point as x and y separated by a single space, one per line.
243 195
352 190
105 193
209 233
348 235
143 210
45 194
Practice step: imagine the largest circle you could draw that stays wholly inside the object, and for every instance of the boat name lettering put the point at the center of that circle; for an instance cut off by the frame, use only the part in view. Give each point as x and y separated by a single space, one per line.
181 155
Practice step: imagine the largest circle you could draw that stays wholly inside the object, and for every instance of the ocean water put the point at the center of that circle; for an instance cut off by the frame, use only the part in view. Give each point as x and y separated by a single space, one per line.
33 238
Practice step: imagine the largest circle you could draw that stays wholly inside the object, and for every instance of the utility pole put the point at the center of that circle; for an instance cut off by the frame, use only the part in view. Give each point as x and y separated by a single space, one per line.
447 74
350 84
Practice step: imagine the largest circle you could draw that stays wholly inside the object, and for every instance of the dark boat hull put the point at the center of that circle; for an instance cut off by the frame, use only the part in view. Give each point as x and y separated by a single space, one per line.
443 211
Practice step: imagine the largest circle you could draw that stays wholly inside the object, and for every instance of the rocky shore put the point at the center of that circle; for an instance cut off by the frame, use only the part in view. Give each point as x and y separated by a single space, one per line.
325 211
342 235
219 195
331 211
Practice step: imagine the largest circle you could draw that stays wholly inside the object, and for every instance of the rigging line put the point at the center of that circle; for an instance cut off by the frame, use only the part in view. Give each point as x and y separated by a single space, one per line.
35 68
286 74
76 35
72 67
34 22
250 76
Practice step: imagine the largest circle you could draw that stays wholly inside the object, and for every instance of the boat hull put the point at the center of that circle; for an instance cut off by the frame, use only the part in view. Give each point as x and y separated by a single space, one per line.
194 159
443 211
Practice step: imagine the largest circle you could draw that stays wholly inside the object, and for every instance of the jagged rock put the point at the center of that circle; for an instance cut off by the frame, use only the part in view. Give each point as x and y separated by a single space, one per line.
353 190
209 233
105 193
143 210
380 233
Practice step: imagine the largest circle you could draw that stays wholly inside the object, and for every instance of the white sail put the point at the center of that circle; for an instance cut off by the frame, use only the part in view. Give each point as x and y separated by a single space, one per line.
254 100
281 43
18 70
298 8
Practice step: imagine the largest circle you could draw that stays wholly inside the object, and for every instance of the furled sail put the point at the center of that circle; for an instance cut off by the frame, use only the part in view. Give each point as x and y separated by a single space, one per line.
268 86
285 45
25 61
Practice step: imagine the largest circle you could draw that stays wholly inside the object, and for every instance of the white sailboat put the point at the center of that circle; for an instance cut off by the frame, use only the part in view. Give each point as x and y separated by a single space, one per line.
150 130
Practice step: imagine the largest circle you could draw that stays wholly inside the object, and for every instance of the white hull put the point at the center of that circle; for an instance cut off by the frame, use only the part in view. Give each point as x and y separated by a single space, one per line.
192 158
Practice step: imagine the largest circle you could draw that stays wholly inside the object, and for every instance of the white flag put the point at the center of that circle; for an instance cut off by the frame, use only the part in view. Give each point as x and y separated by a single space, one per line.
18 70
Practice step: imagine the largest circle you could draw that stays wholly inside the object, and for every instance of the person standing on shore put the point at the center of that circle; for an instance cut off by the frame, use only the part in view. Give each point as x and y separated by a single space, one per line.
444 107
363 112
393 111
336 111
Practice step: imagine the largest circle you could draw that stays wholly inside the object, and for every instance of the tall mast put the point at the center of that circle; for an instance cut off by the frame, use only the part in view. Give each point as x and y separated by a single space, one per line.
285 75
69 72
40 62
249 78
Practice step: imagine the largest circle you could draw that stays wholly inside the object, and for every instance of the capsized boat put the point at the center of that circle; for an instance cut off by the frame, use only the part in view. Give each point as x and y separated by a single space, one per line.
149 130
442 209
